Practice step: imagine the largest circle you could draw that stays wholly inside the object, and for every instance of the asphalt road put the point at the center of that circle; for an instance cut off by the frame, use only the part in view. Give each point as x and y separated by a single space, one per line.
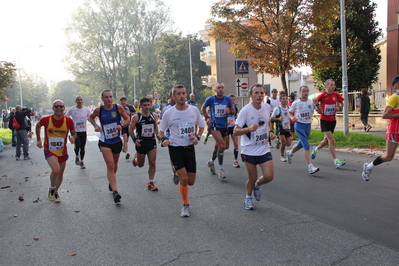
332 218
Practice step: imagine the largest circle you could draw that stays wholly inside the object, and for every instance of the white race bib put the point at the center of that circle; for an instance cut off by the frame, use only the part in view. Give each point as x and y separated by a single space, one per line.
110 132
56 144
261 137
329 109
147 130
187 130
220 110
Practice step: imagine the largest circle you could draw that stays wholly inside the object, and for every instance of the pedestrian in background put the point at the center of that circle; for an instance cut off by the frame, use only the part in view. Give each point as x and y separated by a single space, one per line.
22 114
365 109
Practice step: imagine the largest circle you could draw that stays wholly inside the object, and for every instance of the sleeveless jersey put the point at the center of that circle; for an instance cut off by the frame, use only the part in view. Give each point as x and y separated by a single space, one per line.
145 127
56 138
109 119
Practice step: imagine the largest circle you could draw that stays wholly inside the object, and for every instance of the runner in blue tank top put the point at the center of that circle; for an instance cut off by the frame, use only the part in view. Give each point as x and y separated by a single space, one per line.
219 106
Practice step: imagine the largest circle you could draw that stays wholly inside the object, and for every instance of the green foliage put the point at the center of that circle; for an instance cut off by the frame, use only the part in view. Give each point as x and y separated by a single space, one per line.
6 135
109 39
363 57
353 140
275 35
7 70
173 59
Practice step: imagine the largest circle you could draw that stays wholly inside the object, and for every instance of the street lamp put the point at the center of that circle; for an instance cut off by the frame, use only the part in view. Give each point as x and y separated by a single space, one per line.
19 70
134 81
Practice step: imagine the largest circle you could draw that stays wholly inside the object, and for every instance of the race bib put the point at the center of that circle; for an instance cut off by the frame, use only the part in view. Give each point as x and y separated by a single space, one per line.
147 130
186 130
329 109
110 132
261 137
56 143
220 110
231 121
80 124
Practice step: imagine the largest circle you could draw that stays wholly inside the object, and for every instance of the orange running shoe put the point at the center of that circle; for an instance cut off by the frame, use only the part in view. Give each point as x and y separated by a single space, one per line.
151 186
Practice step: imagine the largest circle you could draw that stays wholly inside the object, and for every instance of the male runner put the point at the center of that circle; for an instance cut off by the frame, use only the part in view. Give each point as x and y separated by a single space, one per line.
219 106
254 126
125 130
391 112
79 116
282 120
331 102
110 143
182 120
56 129
146 125
231 121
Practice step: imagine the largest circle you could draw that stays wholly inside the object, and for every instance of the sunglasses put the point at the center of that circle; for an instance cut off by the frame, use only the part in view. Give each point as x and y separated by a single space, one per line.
58 106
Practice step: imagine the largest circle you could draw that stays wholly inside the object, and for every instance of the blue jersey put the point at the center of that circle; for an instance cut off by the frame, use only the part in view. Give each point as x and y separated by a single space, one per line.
217 110
109 119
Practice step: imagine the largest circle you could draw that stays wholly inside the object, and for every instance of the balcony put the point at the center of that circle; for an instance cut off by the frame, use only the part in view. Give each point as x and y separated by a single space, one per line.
209 80
208 54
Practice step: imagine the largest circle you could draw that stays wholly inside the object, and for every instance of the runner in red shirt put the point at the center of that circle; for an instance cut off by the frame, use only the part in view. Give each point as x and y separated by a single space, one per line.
331 102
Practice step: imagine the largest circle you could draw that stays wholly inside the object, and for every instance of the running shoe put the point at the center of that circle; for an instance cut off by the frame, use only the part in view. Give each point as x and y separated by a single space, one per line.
249 204
288 157
77 161
211 167
51 196
278 143
366 173
257 193
314 152
282 158
222 175
82 165
235 164
57 198
152 187
313 169
185 211
117 197
368 128
28 158
17 158
175 178
127 156
339 163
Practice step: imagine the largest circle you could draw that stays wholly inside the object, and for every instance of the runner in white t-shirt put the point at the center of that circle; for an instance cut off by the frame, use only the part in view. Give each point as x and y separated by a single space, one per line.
253 124
79 116
282 120
182 120
303 109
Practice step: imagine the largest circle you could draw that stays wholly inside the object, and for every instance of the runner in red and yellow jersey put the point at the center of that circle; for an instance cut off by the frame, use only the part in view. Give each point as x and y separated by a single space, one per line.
56 129
391 112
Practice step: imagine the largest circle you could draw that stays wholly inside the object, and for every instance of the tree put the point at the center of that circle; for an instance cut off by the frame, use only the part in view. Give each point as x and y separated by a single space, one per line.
275 35
363 57
7 70
66 91
173 58
106 40
34 90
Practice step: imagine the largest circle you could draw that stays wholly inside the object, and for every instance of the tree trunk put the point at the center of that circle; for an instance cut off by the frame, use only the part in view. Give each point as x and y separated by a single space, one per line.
284 83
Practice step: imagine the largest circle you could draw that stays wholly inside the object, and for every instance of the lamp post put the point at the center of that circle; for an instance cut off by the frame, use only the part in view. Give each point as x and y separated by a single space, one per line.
19 70
134 81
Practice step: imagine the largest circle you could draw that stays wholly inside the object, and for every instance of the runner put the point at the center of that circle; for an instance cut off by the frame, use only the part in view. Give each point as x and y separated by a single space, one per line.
231 120
79 116
125 130
391 112
181 120
331 102
274 101
146 125
110 142
301 113
291 100
254 126
56 129
220 105
280 116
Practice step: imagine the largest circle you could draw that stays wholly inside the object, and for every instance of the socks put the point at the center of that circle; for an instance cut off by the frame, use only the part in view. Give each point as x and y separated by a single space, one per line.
220 157
184 194
235 154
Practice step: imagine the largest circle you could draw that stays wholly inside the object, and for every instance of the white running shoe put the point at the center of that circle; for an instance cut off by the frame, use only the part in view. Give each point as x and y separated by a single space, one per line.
312 169
249 204
211 166
222 175
185 211
257 190
282 158
288 157
366 173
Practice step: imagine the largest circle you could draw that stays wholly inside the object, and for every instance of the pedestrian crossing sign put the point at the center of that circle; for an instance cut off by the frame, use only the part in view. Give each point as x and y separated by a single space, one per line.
241 67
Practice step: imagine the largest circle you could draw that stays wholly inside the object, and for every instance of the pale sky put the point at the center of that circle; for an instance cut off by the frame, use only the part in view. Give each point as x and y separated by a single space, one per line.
27 24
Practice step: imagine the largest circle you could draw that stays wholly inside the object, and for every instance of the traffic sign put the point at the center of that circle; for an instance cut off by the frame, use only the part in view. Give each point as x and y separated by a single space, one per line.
242 87
241 67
